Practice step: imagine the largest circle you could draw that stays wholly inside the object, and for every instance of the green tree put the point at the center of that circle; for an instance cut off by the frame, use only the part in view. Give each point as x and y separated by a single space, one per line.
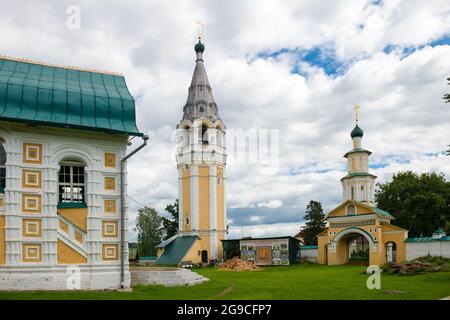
315 222
419 203
150 231
170 225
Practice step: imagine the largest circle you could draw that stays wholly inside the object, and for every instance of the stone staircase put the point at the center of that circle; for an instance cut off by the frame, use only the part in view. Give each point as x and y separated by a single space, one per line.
165 276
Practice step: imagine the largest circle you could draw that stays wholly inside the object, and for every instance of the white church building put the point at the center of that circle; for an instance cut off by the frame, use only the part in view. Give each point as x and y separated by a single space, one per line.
63 134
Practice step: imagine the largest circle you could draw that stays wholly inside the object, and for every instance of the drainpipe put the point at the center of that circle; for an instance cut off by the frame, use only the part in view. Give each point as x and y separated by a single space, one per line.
122 209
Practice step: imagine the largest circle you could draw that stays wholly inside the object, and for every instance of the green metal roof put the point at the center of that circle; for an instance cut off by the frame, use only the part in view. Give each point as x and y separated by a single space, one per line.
427 239
176 250
40 94
148 258
358 174
383 213
357 150
167 241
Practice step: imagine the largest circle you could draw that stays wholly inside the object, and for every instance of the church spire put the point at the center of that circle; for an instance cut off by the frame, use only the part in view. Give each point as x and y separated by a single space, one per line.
358 184
200 101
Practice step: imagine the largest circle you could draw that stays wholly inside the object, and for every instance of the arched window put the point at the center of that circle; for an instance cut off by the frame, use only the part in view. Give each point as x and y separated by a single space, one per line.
351 210
391 252
352 193
204 137
362 193
72 182
2 167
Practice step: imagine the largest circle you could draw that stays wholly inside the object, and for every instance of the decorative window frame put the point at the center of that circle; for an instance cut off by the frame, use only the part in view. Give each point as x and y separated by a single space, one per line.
71 184
110 183
36 223
110 252
28 157
27 208
110 160
31 252
346 210
110 206
106 232
26 183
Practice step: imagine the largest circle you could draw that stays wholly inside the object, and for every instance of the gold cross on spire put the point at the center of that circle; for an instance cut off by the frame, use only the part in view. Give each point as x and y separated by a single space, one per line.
200 26
357 107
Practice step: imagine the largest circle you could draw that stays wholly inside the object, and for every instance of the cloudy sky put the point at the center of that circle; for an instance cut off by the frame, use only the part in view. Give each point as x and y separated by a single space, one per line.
298 67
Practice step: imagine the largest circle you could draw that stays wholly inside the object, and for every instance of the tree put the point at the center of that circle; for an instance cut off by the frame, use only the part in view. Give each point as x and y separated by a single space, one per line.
419 203
315 222
170 225
149 229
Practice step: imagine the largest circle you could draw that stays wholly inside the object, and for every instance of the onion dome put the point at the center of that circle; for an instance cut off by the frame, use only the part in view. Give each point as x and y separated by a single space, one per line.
199 47
357 132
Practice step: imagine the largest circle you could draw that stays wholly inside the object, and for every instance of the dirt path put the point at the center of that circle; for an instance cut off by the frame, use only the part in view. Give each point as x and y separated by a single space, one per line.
223 292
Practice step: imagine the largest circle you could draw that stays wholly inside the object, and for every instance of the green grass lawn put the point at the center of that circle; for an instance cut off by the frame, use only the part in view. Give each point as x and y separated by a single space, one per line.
307 281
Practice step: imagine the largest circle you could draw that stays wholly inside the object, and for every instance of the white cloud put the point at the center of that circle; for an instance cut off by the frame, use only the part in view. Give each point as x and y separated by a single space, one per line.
151 42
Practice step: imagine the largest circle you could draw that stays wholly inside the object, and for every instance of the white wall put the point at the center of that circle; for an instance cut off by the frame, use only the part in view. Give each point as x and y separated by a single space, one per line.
308 254
434 248
58 144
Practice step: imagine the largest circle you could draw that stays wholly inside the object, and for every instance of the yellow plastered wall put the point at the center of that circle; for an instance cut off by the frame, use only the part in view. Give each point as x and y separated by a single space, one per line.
192 254
204 197
220 200
77 216
206 244
342 211
399 238
2 240
186 185
220 246
321 250
341 254
67 255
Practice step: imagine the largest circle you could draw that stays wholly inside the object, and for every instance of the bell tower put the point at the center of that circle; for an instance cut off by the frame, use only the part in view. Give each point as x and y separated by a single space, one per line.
358 184
201 161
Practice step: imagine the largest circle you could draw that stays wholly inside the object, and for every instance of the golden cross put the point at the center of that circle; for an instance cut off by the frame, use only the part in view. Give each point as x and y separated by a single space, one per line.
357 113
200 26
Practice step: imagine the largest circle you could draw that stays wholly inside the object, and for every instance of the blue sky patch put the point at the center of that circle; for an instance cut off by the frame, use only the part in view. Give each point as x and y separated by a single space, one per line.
406 51
320 57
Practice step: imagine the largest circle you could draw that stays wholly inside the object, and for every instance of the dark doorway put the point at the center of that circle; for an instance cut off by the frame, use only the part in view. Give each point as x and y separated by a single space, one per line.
204 256
358 250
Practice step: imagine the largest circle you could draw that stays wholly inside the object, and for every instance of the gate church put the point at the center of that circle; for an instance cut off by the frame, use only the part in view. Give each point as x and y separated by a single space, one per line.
358 231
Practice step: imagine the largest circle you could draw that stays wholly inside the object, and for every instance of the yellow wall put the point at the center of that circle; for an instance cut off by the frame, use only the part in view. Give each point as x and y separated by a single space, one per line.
67 255
186 185
322 253
192 254
382 233
2 240
220 200
78 216
398 238
204 198
342 211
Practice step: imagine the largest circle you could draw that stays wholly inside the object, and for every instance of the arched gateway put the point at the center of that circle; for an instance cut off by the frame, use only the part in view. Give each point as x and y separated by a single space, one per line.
358 231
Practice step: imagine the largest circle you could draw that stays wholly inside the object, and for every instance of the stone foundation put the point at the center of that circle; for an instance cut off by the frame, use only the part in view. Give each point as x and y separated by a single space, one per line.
165 277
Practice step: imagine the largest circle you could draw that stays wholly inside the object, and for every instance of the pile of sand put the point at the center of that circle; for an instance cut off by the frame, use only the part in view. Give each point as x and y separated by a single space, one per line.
237 264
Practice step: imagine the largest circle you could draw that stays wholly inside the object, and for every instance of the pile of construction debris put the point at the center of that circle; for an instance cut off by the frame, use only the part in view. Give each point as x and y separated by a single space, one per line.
237 264
419 266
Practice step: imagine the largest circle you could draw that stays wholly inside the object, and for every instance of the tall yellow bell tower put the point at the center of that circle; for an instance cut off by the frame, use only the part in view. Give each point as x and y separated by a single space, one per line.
201 161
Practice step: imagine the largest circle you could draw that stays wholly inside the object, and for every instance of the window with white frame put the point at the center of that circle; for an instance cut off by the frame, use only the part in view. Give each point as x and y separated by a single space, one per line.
2 167
72 182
